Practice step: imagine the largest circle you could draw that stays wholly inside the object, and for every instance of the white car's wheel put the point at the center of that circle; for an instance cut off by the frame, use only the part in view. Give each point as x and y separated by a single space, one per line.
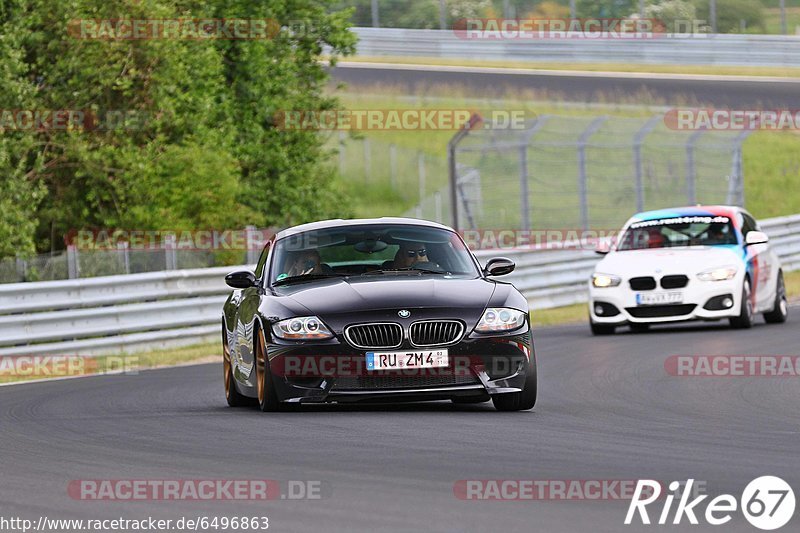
745 318
781 309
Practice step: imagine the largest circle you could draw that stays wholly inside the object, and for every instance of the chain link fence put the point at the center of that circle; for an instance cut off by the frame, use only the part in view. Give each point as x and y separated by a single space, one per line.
587 173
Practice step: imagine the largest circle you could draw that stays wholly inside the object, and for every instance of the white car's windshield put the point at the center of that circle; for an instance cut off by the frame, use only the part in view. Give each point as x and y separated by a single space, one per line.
678 231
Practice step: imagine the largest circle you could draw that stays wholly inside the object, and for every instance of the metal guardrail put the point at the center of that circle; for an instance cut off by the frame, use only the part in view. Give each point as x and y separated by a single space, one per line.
700 49
114 314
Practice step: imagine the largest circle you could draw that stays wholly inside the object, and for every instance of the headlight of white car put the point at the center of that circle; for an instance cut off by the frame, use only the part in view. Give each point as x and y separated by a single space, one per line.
301 328
500 319
718 274
605 280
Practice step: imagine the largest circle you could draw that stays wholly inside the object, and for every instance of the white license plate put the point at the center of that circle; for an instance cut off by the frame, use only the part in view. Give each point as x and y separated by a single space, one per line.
658 298
401 360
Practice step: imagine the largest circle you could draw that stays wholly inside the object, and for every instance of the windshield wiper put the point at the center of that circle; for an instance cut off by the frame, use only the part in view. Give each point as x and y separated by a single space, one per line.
399 270
305 277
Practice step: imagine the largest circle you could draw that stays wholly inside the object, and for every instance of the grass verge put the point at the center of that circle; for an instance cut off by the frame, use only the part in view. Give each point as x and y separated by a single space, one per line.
102 364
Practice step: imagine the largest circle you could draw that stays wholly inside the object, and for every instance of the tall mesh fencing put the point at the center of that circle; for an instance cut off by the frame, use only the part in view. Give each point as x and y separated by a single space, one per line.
587 173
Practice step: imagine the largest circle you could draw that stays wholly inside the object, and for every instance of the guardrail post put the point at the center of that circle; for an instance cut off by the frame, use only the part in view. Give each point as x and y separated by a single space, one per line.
124 253
22 269
252 251
170 254
73 263
583 185
375 17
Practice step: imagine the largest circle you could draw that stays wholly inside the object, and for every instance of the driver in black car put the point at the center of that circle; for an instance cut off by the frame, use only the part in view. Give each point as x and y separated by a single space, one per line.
409 254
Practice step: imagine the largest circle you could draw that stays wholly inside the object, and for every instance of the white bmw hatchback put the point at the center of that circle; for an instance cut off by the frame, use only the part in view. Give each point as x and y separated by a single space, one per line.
687 263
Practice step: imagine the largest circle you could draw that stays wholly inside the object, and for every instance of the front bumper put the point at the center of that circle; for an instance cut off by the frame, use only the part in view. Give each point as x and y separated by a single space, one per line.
701 300
335 372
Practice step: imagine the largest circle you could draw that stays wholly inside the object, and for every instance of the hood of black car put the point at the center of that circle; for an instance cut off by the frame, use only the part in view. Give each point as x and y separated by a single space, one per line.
356 295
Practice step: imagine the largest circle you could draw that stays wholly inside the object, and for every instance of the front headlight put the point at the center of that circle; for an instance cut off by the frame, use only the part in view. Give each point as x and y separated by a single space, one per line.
718 274
301 328
500 319
605 280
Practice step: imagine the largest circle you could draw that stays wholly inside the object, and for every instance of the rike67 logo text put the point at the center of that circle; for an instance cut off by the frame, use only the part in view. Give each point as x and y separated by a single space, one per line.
767 503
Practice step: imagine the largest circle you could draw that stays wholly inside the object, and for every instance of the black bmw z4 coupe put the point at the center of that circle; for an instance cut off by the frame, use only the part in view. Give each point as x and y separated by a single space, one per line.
375 310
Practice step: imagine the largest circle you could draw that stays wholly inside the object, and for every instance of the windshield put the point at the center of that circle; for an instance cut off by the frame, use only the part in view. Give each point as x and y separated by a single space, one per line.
678 231
375 249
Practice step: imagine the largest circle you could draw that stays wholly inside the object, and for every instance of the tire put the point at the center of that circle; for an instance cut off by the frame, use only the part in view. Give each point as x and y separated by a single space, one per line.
232 394
781 310
745 318
520 401
265 390
639 328
602 329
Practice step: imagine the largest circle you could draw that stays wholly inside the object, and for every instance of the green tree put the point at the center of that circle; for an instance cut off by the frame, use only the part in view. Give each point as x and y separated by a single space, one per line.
207 152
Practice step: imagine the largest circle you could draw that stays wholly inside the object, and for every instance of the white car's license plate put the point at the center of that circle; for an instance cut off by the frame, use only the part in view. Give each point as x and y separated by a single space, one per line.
659 298
401 360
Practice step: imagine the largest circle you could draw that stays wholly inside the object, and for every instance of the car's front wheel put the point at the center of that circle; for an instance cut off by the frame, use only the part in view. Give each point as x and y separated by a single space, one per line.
781 310
523 400
745 318
232 395
267 397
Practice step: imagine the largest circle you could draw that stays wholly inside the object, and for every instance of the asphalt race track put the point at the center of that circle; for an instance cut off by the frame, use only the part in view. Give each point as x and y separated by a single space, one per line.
607 410
668 89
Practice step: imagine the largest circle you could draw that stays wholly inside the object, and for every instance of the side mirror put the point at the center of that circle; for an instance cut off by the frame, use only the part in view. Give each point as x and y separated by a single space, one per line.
241 279
499 266
602 248
755 237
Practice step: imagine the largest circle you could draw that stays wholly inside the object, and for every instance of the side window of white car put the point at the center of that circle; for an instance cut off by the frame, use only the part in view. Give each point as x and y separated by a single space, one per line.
749 224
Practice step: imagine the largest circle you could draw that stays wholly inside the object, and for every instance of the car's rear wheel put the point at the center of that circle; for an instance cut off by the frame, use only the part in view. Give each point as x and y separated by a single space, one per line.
267 397
523 400
745 318
602 329
232 394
